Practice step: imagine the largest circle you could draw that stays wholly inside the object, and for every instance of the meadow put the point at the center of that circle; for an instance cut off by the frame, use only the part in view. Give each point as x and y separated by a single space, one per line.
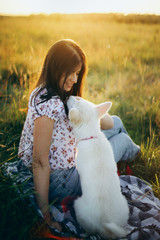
123 55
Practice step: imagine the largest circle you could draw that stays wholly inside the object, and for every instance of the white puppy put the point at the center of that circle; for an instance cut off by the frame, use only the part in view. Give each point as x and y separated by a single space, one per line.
102 208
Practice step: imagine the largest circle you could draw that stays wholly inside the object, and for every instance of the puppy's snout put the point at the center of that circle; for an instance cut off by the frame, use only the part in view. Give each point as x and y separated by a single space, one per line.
78 98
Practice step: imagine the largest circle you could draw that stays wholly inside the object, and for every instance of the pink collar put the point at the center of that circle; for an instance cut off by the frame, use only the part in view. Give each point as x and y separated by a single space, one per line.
84 139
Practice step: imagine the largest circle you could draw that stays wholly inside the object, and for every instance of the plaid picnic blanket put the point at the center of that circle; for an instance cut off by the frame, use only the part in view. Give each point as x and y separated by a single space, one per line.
144 219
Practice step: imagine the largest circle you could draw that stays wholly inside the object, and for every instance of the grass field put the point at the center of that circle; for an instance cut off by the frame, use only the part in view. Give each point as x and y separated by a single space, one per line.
123 55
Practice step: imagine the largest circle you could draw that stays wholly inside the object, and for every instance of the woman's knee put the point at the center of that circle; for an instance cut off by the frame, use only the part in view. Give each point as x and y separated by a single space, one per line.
117 121
130 149
120 143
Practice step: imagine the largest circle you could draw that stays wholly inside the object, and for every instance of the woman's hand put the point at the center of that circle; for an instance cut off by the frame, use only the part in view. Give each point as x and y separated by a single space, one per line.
56 225
51 223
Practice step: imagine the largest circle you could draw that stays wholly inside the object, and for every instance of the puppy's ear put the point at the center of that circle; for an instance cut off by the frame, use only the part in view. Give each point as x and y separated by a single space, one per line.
74 116
103 108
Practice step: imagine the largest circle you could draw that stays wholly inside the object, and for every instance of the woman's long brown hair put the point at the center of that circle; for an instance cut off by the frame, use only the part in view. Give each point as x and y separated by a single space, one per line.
62 58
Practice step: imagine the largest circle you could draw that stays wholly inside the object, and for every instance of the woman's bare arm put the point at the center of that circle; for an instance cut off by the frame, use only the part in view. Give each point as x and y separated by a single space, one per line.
43 128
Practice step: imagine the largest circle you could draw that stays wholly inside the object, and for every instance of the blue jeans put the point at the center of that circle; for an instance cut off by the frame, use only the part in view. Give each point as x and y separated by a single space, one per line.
124 148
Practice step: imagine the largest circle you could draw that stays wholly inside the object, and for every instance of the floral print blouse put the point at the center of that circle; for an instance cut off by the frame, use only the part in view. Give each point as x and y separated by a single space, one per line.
63 145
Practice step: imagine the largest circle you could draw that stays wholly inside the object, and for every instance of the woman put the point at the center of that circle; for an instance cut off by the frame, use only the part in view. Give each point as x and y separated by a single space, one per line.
47 146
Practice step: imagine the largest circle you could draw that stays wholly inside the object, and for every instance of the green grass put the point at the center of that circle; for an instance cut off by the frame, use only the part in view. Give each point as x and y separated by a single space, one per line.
123 56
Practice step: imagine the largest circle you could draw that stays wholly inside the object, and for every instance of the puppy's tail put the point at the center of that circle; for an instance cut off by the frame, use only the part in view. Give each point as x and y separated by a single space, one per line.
114 231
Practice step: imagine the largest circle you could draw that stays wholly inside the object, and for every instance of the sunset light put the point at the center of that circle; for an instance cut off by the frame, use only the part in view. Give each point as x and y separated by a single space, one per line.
26 7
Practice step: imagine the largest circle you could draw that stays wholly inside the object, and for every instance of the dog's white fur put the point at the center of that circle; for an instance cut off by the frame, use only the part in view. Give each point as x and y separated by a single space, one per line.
102 208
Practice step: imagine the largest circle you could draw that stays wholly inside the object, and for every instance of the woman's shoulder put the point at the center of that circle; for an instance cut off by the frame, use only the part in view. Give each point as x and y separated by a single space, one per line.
52 107
37 97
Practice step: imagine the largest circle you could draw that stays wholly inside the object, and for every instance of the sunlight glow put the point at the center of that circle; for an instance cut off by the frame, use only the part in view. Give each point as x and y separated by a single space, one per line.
73 6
